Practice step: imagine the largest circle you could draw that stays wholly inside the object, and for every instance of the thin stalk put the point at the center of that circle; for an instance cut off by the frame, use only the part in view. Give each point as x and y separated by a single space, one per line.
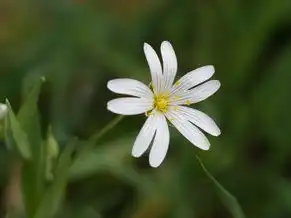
95 137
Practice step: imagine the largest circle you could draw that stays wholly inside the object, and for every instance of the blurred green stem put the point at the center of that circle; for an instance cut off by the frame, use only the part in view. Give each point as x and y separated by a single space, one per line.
94 138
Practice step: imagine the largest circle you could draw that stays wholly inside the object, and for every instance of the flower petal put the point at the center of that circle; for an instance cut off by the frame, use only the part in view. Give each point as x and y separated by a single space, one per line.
200 119
198 94
129 106
130 87
145 136
187 129
170 64
192 79
161 142
155 67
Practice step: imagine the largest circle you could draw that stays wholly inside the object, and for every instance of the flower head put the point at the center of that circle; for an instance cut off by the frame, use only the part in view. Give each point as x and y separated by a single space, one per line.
164 100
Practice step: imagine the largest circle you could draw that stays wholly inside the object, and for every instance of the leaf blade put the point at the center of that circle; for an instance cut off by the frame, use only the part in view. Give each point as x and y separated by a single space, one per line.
33 171
54 194
19 136
225 196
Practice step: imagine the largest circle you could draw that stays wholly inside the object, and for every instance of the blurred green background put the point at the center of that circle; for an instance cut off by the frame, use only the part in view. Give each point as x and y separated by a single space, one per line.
78 45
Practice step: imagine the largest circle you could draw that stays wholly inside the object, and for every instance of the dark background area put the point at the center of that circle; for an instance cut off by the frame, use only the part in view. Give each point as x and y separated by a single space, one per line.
78 45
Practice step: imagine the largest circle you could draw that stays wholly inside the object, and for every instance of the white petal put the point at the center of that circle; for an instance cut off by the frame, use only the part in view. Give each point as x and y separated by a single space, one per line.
130 87
161 142
200 119
198 94
129 106
188 130
192 79
3 110
145 136
155 67
170 64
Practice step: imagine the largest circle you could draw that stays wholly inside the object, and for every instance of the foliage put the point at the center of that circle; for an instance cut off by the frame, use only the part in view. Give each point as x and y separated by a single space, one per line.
77 45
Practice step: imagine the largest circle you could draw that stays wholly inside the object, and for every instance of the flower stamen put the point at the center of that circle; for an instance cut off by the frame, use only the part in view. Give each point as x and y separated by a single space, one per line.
161 102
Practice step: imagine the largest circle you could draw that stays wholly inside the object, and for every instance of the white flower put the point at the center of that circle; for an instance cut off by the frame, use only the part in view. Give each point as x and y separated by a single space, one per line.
3 110
165 100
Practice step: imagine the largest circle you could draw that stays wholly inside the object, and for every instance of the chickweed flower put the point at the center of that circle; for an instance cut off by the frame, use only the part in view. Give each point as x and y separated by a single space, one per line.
163 100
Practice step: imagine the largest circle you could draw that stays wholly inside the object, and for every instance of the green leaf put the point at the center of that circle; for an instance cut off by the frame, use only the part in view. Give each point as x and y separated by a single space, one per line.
54 195
29 118
227 199
33 171
16 133
8 135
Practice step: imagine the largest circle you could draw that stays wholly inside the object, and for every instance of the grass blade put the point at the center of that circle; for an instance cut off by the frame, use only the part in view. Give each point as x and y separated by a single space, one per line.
54 195
19 136
225 196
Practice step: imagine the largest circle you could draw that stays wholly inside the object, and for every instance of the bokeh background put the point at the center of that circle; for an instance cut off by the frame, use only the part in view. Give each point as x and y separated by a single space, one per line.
78 45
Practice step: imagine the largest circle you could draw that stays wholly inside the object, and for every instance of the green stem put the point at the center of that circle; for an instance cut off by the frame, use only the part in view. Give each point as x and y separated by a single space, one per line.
94 138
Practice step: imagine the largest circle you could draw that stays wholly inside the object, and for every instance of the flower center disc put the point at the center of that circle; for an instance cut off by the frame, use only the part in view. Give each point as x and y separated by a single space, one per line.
161 102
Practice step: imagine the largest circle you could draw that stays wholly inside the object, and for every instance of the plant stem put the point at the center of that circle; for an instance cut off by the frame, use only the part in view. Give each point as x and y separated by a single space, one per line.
94 138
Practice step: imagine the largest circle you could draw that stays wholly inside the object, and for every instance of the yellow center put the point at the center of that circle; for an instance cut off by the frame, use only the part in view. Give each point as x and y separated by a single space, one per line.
161 102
